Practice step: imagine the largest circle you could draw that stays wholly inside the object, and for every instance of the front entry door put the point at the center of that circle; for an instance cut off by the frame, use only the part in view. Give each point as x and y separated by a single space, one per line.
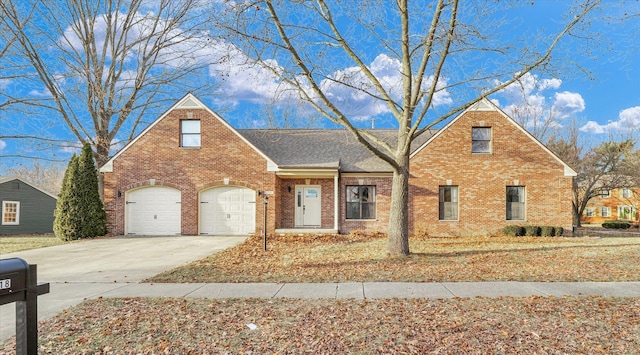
308 207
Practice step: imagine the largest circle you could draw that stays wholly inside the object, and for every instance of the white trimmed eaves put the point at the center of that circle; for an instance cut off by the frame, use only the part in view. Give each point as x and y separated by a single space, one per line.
189 101
486 105
5 179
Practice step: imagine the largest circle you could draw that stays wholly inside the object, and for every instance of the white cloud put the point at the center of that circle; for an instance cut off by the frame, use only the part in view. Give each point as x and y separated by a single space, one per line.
628 120
3 144
528 101
567 104
349 88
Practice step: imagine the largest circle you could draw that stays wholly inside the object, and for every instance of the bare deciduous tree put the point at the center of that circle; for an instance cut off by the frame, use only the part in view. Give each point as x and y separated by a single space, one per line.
436 47
45 176
608 166
99 66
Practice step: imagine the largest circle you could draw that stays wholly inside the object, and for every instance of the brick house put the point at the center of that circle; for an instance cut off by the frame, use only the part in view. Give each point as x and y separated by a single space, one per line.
616 204
191 173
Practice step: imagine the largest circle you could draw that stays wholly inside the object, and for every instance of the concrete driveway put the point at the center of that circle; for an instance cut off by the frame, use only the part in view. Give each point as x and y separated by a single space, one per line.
85 269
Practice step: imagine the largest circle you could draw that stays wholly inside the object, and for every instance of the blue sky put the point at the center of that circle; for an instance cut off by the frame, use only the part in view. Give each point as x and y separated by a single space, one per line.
604 102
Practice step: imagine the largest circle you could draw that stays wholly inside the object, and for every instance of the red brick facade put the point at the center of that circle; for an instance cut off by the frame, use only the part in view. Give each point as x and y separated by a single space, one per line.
225 158
516 159
156 157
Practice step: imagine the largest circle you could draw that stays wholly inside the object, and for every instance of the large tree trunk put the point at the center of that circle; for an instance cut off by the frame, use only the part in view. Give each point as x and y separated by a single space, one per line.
398 239
102 157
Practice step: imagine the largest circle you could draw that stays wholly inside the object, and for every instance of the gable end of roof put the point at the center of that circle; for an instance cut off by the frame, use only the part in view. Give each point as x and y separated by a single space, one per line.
189 101
485 105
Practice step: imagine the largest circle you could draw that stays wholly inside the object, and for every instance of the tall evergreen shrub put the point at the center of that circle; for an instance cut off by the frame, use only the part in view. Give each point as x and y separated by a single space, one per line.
64 223
79 211
93 218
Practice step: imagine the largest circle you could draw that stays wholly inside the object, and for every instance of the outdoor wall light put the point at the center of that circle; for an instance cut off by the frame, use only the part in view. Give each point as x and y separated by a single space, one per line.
119 194
289 188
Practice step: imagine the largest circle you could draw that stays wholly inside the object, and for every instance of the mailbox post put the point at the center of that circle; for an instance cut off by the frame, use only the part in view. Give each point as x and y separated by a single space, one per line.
19 284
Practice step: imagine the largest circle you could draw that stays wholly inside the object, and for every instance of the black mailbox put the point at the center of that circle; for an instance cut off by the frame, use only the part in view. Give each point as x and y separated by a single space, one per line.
13 280
19 284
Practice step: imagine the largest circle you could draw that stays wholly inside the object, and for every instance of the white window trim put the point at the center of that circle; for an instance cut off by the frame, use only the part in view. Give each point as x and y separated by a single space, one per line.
457 202
606 214
524 203
590 212
4 206
490 150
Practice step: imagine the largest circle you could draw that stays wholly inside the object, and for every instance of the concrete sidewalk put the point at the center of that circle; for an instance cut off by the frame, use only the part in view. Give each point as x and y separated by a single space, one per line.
67 294
114 267
346 290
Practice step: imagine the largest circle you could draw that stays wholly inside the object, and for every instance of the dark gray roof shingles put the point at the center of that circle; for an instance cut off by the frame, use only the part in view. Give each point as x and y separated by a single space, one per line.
329 149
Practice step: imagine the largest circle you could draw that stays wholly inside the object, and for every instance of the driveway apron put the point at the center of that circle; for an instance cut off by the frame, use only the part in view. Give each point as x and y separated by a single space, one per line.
84 269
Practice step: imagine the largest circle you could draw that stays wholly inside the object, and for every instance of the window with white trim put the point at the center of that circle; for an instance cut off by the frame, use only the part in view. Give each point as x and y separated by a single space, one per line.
590 212
481 140
10 213
448 205
190 133
515 203
627 213
361 202
627 193
605 193
605 212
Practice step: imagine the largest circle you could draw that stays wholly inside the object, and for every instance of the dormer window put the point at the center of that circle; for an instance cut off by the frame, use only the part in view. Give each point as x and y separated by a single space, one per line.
190 133
481 140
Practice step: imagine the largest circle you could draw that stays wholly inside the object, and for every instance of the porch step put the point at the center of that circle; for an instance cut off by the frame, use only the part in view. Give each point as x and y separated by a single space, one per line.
306 231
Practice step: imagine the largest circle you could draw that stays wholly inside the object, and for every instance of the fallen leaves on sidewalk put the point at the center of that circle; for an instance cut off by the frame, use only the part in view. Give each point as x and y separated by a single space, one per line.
362 258
461 326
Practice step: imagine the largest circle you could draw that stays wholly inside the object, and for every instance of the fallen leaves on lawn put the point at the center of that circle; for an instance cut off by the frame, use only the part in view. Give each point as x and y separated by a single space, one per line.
456 326
362 258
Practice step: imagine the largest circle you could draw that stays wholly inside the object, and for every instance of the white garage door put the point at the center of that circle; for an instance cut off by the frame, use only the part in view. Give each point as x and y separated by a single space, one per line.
228 210
153 211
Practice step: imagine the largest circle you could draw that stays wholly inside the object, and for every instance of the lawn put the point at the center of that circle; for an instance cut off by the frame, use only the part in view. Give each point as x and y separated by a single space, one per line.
527 325
10 244
523 325
361 258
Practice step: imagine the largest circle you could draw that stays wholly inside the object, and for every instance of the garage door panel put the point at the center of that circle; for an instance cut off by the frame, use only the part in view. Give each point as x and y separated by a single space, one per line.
227 210
153 211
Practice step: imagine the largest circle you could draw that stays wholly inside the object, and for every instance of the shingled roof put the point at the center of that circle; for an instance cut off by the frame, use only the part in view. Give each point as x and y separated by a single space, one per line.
317 149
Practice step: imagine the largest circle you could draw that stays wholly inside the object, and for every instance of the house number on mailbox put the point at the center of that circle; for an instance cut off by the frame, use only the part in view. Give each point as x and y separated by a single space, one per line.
4 284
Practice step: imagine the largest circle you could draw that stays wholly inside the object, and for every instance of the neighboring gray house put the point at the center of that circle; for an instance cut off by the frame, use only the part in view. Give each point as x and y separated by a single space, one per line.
26 209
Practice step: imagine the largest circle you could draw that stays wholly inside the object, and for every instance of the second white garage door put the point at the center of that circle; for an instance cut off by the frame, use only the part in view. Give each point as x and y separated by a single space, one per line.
228 210
153 211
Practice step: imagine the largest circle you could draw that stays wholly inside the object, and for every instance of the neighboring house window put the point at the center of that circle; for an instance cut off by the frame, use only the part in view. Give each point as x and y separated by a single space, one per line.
605 211
626 212
515 203
590 212
361 202
190 133
626 193
481 140
10 212
605 193
448 203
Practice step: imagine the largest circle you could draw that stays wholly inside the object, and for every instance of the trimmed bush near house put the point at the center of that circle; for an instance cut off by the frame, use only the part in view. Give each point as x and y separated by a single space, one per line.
513 231
616 225
547 231
532 231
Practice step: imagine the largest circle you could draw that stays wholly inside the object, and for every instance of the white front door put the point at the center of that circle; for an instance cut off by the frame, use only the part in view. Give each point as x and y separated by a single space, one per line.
308 206
228 210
